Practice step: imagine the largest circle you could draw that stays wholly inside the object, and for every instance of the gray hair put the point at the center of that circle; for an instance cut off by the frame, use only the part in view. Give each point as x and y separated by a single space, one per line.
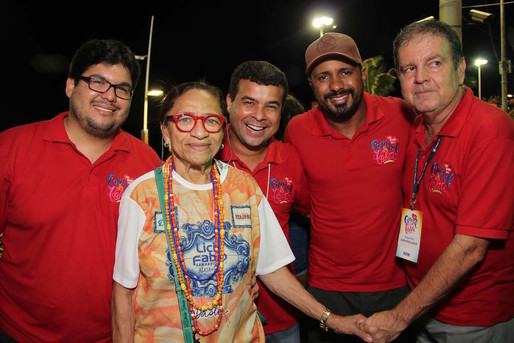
433 27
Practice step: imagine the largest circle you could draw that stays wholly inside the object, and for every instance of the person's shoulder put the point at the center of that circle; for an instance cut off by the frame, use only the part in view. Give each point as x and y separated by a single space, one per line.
140 147
24 129
138 182
395 107
300 123
301 118
287 150
238 177
490 120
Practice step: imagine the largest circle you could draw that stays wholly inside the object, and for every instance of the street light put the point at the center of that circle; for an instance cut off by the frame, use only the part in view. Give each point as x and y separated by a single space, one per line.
319 22
479 62
144 131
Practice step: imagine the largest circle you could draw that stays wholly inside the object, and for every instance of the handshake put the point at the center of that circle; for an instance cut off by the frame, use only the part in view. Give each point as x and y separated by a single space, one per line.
381 327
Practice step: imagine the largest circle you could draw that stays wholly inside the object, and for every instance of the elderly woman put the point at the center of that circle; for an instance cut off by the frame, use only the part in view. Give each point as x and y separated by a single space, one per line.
184 273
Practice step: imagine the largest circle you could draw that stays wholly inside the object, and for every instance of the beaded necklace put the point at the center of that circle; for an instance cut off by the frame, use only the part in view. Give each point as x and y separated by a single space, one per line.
178 257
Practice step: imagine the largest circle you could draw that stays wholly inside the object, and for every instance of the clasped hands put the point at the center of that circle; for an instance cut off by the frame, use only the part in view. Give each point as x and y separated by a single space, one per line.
381 327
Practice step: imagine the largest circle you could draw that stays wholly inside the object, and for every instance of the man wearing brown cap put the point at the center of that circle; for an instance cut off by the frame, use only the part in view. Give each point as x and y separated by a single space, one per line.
352 147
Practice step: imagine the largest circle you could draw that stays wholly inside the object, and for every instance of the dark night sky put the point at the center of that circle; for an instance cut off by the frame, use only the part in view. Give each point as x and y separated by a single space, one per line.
194 40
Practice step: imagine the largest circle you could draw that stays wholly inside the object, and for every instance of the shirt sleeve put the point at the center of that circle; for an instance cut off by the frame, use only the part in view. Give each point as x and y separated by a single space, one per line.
274 251
130 225
486 203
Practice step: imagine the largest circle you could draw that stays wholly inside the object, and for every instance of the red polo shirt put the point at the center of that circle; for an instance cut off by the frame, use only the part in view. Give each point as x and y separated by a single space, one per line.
356 196
468 189
59 216
281 179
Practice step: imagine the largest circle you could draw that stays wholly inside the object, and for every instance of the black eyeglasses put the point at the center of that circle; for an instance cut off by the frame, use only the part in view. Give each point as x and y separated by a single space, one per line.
186 121
101 85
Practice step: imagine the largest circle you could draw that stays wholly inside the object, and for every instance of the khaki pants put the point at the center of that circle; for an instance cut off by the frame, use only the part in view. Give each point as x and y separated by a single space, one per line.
429 330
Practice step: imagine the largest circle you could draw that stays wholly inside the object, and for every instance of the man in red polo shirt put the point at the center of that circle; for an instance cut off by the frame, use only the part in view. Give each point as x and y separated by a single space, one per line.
255 98
352 147
459 200
61 182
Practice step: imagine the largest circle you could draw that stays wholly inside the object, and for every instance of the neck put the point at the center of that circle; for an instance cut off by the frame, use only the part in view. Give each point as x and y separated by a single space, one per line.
195 174
251 157
90 146
349 126
434 122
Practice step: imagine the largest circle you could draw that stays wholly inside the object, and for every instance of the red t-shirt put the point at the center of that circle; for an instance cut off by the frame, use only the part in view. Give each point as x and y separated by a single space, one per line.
467 189
356 196
59 216
281 179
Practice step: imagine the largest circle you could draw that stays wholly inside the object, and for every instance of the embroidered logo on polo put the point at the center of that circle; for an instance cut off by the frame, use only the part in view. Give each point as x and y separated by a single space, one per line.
386 150
281 190
197 243
116 186
441 177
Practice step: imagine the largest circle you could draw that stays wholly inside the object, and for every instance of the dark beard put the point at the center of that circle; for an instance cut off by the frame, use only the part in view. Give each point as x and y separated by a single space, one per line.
342 112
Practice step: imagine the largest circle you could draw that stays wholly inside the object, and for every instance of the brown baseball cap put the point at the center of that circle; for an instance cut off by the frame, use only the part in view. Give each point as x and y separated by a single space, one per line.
331 44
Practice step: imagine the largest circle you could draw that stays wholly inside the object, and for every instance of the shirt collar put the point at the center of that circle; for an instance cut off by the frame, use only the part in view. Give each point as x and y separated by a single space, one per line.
273 155
455 123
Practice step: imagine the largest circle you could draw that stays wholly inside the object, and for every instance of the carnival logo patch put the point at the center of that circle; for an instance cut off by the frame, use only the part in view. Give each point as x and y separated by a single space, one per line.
281 190
441 177
116 186
411 222
385 151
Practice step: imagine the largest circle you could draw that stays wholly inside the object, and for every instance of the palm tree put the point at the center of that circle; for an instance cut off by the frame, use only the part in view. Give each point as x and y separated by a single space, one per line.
378 80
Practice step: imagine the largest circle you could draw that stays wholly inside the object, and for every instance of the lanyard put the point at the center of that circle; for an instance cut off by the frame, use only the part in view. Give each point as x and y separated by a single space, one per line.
415 186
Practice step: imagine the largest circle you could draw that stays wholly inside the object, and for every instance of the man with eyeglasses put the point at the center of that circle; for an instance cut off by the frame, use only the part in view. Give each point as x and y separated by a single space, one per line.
257 92
61 183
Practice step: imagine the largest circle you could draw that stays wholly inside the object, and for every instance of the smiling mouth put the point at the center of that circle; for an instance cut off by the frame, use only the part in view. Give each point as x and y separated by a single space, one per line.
255 128
104 108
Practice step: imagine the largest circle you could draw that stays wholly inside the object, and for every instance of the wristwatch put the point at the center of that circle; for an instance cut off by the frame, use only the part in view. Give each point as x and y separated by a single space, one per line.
323 321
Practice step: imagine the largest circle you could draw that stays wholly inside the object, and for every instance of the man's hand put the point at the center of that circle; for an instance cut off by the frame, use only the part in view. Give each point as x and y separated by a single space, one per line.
254 291
348 325
382 326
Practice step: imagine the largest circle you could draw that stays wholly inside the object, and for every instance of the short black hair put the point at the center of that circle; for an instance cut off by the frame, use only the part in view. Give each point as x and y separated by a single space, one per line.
261 72
108 51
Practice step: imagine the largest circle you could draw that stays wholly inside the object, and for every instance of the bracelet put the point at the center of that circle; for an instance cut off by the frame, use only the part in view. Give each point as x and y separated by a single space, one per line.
323 321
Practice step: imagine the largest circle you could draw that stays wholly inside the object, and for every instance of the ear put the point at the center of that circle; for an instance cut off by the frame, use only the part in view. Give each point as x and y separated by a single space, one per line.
462 71
363 74
165 133
229 102
310 81
70 85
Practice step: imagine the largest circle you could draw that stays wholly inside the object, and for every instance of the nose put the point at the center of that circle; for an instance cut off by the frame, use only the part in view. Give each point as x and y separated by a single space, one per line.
421 75
336 84
260 113
199 130
110 94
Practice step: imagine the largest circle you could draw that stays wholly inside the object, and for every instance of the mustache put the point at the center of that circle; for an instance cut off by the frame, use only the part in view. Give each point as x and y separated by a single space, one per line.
343 91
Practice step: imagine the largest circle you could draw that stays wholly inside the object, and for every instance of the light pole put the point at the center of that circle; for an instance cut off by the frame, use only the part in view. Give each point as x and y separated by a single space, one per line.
144 131
319 22
479 62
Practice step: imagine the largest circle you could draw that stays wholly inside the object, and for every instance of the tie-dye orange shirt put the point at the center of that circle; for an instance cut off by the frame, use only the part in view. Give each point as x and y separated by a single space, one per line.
142 240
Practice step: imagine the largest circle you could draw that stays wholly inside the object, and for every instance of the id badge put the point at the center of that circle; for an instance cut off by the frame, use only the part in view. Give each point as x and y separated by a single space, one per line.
410 235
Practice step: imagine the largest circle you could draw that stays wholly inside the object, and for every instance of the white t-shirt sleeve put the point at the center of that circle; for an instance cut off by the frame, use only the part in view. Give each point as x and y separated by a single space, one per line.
130 225
274 251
